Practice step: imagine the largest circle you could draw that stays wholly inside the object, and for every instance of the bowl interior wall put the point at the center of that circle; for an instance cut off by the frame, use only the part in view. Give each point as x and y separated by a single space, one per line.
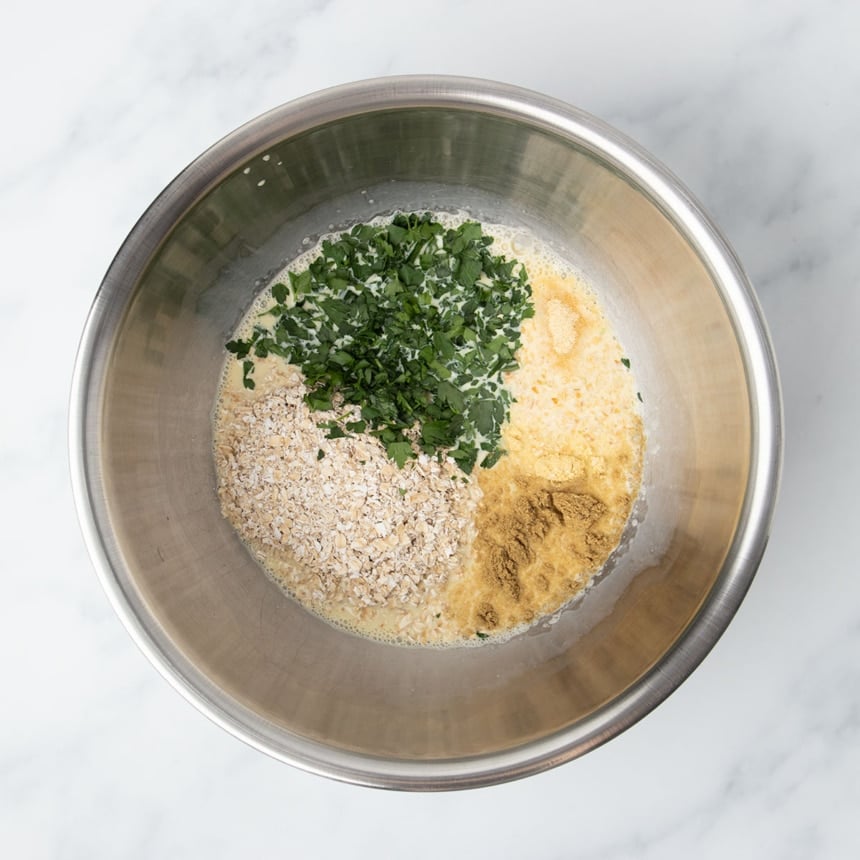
288 672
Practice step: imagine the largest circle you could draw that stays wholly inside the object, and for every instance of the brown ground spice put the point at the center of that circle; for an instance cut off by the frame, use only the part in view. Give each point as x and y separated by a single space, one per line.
538 543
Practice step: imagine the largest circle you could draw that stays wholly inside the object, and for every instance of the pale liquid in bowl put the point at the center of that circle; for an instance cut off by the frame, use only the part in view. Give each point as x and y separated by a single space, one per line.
424 554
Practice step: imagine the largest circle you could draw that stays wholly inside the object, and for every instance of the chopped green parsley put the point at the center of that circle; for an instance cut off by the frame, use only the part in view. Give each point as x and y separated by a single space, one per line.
412 322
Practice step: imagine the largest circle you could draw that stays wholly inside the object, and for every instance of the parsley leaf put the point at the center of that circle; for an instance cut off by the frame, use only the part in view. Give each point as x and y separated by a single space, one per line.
400 452
247 369
279 293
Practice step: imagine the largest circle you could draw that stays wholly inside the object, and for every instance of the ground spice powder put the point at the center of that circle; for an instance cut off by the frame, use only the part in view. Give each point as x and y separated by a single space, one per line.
539 542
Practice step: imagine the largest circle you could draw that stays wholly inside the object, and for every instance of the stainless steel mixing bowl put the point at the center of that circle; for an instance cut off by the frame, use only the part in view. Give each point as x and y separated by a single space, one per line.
148 371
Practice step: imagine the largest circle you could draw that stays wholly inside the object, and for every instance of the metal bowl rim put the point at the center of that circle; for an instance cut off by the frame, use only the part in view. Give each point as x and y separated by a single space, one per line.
637 166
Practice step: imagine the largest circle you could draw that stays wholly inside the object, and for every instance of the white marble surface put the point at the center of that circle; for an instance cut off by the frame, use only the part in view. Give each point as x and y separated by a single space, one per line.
755 105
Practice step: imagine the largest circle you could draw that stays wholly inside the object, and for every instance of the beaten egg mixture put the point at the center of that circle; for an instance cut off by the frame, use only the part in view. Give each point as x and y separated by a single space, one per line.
526 535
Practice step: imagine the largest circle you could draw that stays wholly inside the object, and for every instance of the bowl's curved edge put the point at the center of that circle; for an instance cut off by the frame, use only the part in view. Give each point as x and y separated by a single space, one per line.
667 192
